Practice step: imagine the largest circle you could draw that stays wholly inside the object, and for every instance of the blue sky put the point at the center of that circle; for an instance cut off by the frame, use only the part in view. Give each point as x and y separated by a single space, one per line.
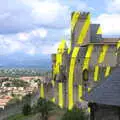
35 27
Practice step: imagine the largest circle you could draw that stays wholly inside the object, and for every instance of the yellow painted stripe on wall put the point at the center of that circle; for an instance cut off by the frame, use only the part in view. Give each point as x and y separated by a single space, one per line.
54 70
107 71
59 54
53 84
96 73
118 44
80 93
62 46
74 20
99 31
58 62
60 51
84 30
73 60
100 60
89 89
60 89
53 100
89 109
103 53
58 59
75 52
69 50
71 77
41 90
87 57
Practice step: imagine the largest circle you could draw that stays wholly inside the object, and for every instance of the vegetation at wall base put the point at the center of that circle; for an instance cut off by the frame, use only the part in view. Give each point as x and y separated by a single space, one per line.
44 107
75 114
26 109
46 110
20 117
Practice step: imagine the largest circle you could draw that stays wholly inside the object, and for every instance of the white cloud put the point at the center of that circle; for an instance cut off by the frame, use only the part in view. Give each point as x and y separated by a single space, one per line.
110 23
53 49
23 36
32 51
82 6
7 45
32 42
113 5
26 36
41 32
68 43
25 15
48 12
50 49
54 13
67 31
24 19
14 46
4 15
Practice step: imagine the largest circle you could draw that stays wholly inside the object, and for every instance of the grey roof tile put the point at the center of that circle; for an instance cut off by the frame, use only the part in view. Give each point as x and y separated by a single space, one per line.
108 92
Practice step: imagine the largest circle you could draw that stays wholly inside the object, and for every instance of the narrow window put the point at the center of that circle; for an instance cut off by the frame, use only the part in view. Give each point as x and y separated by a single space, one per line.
85 75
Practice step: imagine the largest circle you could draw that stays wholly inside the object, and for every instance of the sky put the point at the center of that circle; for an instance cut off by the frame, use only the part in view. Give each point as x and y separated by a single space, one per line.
35 27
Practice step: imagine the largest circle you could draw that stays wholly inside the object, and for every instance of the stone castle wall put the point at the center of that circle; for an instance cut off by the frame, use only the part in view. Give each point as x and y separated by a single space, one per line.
99 60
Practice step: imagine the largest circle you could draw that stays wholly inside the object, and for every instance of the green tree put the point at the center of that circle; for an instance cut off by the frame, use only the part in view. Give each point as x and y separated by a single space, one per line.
26 109
7 85
75 114
44 107
27 98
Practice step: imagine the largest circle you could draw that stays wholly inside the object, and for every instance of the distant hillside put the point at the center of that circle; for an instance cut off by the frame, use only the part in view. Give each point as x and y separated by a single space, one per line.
23 60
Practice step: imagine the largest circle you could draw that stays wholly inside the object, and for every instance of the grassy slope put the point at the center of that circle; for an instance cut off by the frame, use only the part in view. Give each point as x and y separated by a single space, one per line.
55 115
19 117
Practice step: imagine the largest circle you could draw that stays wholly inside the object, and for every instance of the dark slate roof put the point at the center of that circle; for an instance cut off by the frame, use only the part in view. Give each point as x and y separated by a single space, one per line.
94 37
108 92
